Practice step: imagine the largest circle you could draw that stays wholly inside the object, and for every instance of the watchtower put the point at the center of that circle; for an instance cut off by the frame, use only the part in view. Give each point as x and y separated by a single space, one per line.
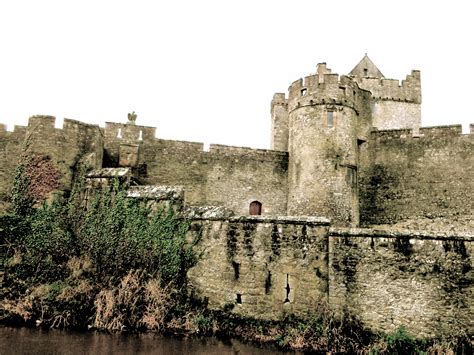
395 105
328 118
324 122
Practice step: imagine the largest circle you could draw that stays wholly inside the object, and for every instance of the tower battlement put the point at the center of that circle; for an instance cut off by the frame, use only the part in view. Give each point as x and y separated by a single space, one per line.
408 90
326 89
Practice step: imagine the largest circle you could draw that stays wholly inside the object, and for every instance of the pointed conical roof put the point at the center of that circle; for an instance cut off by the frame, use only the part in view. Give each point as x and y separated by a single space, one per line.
366 68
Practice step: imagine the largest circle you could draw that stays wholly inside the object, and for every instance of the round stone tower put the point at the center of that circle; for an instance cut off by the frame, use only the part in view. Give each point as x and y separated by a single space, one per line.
328 120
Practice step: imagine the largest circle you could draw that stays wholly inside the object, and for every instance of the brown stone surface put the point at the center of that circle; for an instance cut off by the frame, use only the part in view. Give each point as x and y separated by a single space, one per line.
385 278
422 181
389 279
276 267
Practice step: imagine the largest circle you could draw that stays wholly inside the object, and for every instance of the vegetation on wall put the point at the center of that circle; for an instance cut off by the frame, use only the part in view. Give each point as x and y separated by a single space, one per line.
111 266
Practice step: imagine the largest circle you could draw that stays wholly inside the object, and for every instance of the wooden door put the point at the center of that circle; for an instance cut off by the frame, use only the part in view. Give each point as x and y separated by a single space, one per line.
255 208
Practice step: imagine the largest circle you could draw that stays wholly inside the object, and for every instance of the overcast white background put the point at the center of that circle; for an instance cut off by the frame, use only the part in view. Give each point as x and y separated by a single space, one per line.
206 70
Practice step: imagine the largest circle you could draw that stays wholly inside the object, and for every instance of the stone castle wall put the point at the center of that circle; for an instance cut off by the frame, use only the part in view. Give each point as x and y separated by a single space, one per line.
268 267
11 146
395 105
261 267
225 176
414 178
76 143
420 280
425 179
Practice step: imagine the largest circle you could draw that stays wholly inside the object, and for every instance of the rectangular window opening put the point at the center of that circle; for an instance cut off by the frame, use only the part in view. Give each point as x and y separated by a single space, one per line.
351 176
330 119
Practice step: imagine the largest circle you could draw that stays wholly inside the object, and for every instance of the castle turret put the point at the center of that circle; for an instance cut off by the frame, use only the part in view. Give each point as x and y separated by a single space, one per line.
327 115
394 105
279 112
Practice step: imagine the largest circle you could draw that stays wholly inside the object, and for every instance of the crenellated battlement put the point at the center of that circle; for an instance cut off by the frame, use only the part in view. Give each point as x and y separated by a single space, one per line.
128 132
279 99
338 142
423 133
16 129
326 89
408 90
46 123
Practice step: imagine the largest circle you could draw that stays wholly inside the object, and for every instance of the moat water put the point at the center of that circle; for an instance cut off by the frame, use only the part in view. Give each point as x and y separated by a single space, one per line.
40 341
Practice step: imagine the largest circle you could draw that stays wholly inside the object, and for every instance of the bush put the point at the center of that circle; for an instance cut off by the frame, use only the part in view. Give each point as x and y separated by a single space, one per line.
139 260
118 235
401 342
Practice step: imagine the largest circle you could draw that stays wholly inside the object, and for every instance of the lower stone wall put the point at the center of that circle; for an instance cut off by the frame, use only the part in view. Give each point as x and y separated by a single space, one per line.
421 281
261 267
267 267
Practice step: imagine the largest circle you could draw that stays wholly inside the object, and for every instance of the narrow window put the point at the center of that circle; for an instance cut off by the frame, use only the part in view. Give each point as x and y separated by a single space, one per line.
351 176
304 91
268 283
119 134
236 267
287 289
238 299
366 72
140 136
255 208
330 119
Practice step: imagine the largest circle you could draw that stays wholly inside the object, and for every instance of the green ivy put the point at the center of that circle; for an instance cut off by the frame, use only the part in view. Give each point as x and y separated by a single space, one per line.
22 202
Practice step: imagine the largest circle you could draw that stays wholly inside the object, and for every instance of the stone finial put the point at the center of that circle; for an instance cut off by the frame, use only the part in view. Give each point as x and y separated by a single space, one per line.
132 117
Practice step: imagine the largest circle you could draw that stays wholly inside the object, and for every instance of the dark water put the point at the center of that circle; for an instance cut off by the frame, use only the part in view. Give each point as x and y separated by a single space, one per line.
39 341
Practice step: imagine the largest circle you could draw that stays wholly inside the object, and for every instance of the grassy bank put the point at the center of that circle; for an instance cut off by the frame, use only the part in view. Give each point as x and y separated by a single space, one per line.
113 267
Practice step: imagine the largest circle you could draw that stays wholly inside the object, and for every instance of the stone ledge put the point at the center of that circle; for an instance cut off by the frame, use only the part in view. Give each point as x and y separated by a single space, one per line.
156 192
317 221
393 233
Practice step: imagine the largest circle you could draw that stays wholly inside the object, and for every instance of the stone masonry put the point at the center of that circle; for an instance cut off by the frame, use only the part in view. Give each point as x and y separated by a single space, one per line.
346 152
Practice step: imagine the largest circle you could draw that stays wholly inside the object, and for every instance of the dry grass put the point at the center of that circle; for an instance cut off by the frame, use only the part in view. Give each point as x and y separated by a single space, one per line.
40 292
22 308
79 265
70 293
133 303
158 301
104 309
15 259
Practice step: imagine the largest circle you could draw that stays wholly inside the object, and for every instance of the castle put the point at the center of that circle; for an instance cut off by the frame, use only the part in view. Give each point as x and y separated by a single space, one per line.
346 152
349 148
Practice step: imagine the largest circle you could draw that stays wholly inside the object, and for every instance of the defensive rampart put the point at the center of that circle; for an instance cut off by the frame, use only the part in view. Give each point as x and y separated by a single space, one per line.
67 147
420 179
267 267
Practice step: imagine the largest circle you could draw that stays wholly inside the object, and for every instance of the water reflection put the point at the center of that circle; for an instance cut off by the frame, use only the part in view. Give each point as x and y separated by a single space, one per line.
40 341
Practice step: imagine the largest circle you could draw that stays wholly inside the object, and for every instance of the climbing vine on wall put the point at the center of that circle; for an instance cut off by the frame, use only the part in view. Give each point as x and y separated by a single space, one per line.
43 177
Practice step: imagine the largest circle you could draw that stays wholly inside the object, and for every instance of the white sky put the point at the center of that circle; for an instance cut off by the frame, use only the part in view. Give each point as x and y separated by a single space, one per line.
206 70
